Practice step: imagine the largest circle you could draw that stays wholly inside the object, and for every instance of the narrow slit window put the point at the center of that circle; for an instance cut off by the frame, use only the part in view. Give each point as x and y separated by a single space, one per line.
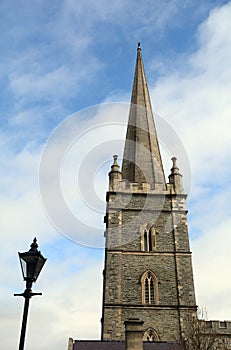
150 240
151 291
145 240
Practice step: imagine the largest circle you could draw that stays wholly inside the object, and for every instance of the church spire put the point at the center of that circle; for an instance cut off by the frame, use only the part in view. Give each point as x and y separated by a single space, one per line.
142 160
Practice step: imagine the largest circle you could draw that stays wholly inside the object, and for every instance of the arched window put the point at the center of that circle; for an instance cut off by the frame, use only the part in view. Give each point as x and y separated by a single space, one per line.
149 288
151 335
148 238
146 234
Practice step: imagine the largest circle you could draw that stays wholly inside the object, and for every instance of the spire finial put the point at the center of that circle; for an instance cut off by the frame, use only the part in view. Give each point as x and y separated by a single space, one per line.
138 46
175 178
175 169
115 175
174 162
115 159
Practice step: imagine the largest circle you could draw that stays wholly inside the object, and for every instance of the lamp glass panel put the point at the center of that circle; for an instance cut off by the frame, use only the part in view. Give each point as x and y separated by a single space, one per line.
39 265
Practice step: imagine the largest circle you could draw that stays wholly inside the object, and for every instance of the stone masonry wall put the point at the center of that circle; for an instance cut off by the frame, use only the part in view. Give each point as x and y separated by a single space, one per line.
170 261
165 322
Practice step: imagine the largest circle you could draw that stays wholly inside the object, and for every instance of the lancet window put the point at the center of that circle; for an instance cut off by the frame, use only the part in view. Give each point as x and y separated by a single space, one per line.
149 288
148 238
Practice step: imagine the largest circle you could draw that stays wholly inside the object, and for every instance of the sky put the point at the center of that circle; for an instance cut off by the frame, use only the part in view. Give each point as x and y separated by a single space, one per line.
65 83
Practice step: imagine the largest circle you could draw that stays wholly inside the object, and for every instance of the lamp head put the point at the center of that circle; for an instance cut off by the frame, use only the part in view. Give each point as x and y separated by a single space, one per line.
31 262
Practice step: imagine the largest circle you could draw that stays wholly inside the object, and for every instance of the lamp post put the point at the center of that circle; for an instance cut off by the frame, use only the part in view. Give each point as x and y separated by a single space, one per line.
31 264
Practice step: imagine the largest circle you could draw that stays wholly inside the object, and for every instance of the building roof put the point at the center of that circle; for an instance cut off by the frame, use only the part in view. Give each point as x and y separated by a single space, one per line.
141 159
120 345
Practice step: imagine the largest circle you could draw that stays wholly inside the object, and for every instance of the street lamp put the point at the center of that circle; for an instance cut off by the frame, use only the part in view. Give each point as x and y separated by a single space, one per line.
31 263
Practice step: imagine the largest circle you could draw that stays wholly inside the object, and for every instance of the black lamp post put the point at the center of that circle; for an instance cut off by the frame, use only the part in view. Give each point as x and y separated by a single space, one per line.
31 263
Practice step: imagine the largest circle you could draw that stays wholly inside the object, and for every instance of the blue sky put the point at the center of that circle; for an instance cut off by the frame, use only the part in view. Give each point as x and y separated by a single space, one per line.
61 57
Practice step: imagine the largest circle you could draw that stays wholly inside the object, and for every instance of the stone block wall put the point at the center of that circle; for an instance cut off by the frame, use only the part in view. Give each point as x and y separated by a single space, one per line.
126 262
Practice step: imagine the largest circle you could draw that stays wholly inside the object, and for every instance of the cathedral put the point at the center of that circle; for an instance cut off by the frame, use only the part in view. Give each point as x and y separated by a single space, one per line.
148 289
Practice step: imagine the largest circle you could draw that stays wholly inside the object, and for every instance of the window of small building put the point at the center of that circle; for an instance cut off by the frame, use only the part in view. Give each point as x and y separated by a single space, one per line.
223 324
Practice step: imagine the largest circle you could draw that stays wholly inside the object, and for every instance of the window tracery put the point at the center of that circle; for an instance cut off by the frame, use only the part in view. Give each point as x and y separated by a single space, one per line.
148 238
149 288
150 335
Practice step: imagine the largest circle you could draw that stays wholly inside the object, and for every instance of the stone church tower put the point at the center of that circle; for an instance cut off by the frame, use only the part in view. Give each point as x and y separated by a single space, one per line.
148 270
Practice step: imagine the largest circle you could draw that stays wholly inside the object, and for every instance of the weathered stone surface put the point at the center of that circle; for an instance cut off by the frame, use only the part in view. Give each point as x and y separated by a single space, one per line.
148 269
170 261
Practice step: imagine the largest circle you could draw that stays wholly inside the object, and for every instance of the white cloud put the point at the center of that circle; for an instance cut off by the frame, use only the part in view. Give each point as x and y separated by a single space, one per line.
197 103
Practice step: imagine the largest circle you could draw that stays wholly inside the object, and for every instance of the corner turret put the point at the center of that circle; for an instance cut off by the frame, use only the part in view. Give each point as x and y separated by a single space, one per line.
115 175
175 178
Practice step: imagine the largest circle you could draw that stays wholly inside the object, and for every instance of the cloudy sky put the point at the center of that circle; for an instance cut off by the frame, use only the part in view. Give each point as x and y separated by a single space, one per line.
65 81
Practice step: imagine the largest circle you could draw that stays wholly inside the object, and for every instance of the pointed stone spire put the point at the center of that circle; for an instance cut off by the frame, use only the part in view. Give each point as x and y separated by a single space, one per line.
141 159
